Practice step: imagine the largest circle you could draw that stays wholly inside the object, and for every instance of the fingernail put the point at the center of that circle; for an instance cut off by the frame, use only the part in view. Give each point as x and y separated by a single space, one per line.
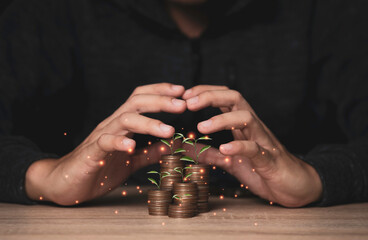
165 128
187 92
127 142
206 124
177 102
226 147
176 87
193 100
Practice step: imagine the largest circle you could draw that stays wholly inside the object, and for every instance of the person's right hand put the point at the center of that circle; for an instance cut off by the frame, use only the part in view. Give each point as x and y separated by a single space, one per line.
105 158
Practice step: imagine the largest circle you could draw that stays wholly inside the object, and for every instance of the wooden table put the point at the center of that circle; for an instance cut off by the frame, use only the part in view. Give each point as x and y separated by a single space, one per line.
126 217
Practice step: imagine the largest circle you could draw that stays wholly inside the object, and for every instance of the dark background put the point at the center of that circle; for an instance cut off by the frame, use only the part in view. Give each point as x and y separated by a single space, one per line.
4 4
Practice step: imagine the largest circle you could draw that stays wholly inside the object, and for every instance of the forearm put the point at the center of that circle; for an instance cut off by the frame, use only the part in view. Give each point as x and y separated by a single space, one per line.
343 171
36 179
16 155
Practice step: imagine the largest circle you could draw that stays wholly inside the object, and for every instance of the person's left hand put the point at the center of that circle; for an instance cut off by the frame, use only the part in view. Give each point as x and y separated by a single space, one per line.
255 157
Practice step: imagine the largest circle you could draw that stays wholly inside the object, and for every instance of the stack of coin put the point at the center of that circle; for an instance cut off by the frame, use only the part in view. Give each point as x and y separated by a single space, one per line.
200 176
168 164
182 211
158 202
185 205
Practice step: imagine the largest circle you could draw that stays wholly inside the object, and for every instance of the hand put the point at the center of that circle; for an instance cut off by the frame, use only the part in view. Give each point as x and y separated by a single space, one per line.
105 158
255 157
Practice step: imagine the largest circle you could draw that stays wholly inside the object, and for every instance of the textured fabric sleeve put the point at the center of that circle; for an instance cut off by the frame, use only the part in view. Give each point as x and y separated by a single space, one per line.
25 63
340 47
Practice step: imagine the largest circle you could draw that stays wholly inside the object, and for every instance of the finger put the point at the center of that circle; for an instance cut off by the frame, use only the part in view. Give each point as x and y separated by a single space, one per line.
110 142
136 123
194 91
164 89
154 103
167 89
211 157
239 120
260 157
223 99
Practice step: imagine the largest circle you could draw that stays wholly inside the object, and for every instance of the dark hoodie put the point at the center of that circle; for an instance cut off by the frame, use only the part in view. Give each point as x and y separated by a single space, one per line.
65 65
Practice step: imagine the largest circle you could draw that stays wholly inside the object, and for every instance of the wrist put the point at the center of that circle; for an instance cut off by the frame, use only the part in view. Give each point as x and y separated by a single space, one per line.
36 179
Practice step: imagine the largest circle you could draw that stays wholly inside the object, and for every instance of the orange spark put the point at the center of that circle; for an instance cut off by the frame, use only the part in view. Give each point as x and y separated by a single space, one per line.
101 162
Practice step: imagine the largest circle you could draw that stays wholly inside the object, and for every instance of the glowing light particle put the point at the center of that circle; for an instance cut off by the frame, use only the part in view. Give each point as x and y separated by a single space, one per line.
138 187
149 143
221 197
245 124
127 162
241 185
102 184
227 159
130 150
240 161
271 203
145 151
232 128
253 170
101 163
246 187
124 193
140 191
66 176
116 212
236 195
41 198
76 201
105 177
162 149
88 157
214 214
65 134
148 201
163 223
224 209
256 224
202 170
263 153
273 149
214 167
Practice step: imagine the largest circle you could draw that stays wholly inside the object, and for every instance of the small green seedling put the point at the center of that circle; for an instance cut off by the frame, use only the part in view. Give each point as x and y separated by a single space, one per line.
181 171
177 197
193 142
162 175
171 143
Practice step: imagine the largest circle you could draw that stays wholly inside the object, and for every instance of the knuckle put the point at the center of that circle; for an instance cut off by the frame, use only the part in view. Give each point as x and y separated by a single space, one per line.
237 96
124 118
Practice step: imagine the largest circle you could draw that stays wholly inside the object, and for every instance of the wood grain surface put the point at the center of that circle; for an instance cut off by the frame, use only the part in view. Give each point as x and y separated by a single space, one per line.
126 217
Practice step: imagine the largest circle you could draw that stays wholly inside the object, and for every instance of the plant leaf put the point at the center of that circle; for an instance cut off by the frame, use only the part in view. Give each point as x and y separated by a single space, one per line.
154 182
204 138
178 169
153 172
180 135
166 174
179 150
176 197
188 195
188 159
166 142
187 167
189 174
204 149
188 141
